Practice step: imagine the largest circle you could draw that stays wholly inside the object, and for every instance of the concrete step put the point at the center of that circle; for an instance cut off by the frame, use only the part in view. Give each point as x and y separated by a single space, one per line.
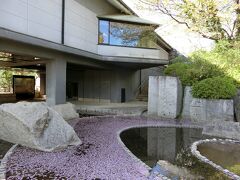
142 97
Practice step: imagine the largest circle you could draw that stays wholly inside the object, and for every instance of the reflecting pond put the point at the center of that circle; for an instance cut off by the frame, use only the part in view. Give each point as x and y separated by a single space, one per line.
172 147
4 147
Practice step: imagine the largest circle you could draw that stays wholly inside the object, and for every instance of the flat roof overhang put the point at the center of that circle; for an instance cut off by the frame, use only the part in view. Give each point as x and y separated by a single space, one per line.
9 35
128 18
119 4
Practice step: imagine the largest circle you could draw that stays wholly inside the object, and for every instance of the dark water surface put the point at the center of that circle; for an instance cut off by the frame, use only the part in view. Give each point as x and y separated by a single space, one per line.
172 147
4 147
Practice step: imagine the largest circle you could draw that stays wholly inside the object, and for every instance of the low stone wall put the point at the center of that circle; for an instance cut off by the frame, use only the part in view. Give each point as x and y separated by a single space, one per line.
204 110
6 98
165 96
224 129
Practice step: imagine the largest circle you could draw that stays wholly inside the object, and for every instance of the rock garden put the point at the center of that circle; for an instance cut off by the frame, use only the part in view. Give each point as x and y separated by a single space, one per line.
197 102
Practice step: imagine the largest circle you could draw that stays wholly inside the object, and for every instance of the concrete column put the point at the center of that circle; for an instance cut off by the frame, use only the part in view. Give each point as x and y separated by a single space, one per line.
56 81
42 83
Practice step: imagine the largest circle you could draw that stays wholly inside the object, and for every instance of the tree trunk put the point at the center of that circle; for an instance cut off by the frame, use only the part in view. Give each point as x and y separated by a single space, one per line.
238 19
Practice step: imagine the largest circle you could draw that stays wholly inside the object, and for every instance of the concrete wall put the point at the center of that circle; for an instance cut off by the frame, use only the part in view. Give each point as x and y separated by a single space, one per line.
81 27
102 85
37 18
122 79
100 7
132 52
43 19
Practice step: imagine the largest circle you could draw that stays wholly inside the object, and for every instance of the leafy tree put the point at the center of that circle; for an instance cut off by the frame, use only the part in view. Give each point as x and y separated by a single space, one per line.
132 35
213 19
226 56
6 77
6 80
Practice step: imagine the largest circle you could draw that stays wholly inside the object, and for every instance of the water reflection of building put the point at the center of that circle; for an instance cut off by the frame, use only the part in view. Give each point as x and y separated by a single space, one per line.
165 143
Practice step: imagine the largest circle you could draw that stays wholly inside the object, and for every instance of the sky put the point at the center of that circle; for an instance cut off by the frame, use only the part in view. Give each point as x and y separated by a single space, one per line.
178 36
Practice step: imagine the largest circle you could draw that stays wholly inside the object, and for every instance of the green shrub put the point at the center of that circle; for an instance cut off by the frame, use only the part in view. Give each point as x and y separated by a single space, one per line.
179 59
189 77
176 69
214 88
181 70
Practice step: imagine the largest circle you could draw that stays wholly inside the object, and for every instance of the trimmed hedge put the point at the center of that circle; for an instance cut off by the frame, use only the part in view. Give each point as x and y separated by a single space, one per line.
214 88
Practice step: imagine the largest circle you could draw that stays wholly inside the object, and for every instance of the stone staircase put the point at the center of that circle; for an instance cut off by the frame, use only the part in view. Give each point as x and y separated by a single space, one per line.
143 96
142 90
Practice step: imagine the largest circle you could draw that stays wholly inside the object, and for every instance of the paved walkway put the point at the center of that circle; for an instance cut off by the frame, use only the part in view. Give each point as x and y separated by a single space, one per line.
101 156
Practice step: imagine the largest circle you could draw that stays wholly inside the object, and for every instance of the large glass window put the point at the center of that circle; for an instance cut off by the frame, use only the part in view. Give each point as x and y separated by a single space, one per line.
103 37
126 34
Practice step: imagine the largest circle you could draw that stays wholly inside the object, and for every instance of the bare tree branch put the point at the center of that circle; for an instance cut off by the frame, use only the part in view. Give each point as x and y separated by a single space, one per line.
189 14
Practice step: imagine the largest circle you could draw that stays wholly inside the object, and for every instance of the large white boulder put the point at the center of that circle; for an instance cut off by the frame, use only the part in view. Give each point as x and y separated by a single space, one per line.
67 111
35 125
